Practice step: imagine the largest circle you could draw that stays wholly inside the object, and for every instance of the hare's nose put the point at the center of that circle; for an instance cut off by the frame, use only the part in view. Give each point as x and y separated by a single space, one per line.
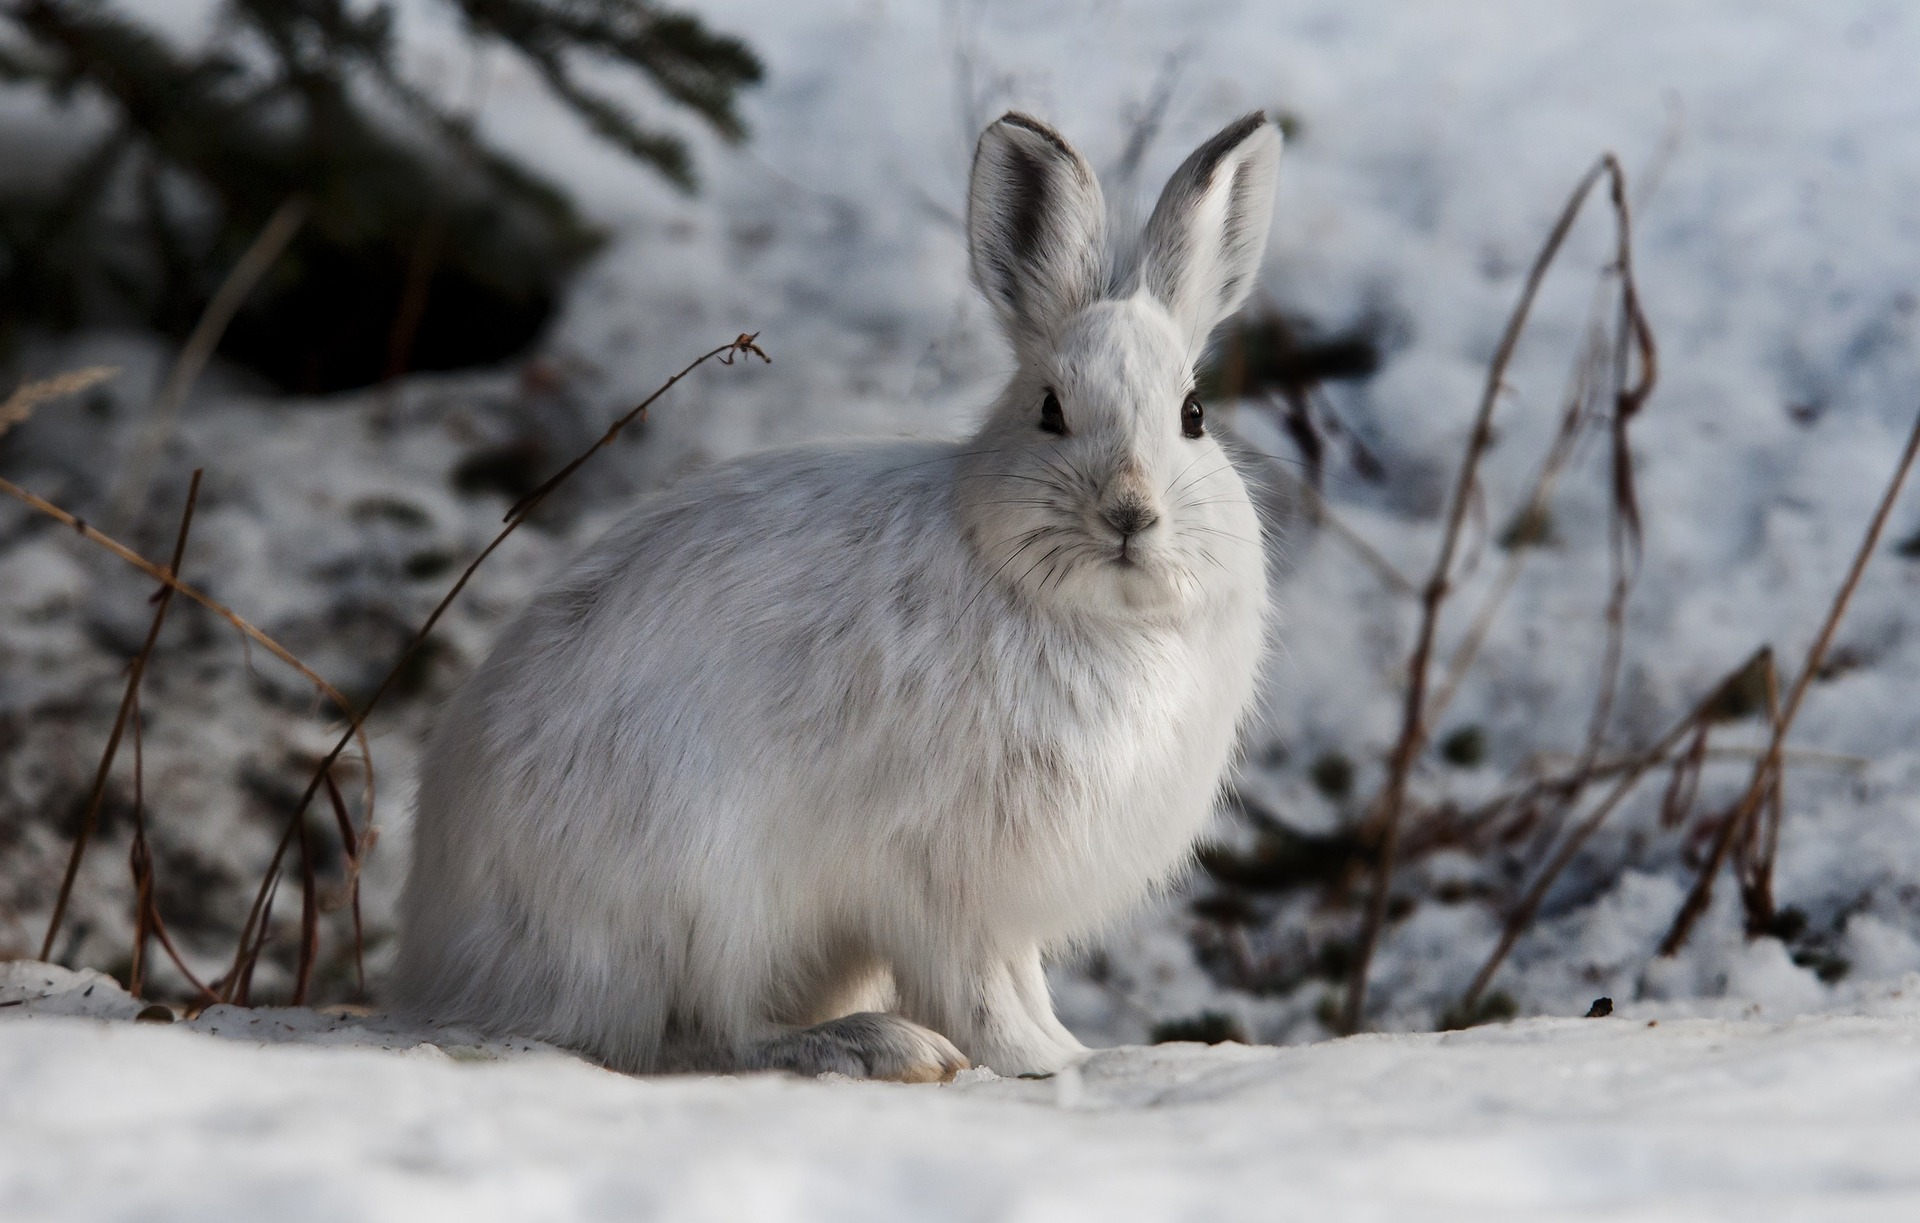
1129 517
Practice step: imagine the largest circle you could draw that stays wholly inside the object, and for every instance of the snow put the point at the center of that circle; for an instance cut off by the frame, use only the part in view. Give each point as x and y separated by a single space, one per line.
1623 1118
1774 155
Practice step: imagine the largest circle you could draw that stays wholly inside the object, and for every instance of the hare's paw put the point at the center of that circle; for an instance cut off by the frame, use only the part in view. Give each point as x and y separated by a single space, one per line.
869 1045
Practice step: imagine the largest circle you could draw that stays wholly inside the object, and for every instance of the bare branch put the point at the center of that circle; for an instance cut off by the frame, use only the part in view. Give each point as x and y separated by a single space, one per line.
1390 806
1766 771
128 702
1523 913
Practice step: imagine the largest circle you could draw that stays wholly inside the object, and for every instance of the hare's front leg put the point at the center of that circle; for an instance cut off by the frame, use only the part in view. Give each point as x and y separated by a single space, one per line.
864 1045
994 1007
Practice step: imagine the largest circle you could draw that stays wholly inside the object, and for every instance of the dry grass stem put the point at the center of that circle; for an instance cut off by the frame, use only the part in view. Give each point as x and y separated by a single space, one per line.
194 355
1766 771
1524 912
148 924
1528 526
128 701
30 395
95 536
1629 397
140 860
349 845
309 921
1683 787
1758 848
1389 807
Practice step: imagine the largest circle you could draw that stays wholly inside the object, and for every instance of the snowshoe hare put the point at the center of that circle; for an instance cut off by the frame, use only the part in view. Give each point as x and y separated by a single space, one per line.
808 762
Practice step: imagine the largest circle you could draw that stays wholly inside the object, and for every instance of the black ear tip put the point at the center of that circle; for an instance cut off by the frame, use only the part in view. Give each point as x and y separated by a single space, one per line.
1245 126
1027 123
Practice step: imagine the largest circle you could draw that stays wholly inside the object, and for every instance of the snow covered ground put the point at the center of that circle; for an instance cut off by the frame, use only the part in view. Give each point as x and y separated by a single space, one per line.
1774 150
291 1116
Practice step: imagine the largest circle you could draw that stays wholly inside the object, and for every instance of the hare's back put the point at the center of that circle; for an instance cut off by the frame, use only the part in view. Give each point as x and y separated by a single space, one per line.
775 539
738 593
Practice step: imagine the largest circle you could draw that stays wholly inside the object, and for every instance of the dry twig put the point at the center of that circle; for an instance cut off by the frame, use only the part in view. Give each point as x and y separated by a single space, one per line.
30 395
194 355
147 923
1414 725
1766 772
128 702
140 860
1523 913
253 934
95 536
1529 525
349 845
1629 397
1758 847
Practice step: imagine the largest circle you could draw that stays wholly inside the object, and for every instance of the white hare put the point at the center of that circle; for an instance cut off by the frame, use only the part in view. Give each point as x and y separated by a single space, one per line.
809 761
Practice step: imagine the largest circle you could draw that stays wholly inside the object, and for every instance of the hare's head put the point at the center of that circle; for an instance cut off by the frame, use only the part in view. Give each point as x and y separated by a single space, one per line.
1097 483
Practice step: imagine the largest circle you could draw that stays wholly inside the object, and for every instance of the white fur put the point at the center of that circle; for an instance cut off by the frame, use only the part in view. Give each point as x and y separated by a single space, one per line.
873 727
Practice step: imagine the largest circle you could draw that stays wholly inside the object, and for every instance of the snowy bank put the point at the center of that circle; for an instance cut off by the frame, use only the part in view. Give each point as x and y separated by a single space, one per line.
1619 1118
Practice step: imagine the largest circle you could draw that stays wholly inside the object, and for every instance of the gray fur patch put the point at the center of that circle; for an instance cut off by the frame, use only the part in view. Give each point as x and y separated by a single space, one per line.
867 1045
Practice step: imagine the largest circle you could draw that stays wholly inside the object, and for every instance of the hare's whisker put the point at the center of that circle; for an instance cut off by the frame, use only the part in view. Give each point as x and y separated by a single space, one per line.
1032 537
1195 526
1043 560
1227 466
1168 490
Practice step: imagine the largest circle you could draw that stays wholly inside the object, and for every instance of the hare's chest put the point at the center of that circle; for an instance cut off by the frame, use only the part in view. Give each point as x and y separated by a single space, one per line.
1106 770
1124 730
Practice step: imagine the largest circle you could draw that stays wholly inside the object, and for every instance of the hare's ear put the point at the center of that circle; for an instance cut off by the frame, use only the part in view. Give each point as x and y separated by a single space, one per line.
1036 227
1204 241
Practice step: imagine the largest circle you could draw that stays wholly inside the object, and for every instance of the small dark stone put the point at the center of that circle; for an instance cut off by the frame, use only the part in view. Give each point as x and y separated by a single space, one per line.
1601 1008
155 1013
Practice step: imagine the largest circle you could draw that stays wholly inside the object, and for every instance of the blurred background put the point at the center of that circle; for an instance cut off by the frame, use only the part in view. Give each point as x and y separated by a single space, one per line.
379 268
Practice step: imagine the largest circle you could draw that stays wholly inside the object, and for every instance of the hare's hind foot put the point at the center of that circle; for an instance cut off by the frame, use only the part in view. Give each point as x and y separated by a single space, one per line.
867 1045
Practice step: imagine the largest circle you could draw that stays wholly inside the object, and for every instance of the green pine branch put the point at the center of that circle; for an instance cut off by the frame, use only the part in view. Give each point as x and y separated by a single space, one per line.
308 98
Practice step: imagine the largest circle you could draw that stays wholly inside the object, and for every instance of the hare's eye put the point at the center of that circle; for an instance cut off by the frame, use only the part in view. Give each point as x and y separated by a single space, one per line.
1193 417
1052 419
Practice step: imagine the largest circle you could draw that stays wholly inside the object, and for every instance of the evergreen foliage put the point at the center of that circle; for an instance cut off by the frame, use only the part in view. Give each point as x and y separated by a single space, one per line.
423 248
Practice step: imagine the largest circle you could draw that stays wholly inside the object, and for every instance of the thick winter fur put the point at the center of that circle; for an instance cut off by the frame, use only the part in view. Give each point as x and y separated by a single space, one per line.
809 761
